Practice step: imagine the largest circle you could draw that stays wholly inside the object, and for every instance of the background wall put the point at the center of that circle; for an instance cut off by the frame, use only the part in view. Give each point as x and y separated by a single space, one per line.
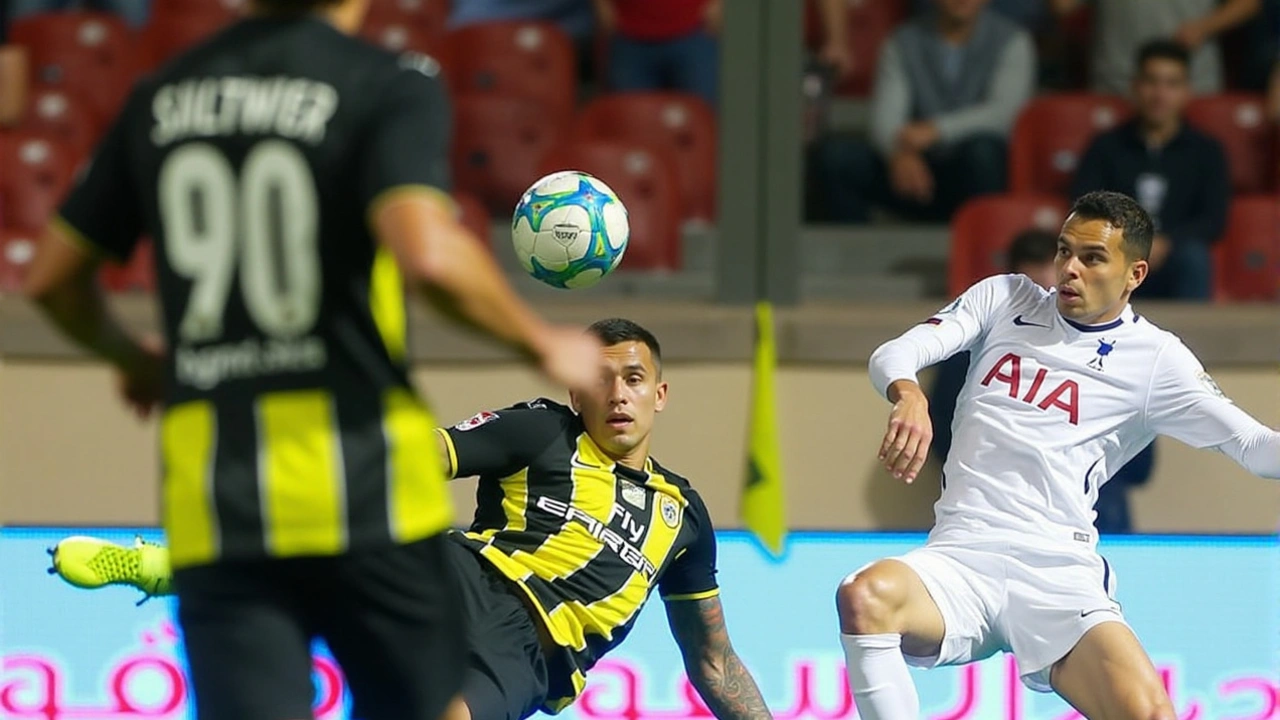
70 453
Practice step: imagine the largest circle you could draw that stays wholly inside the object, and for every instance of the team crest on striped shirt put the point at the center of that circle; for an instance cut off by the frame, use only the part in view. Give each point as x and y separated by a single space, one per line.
633 494
670 511
476 421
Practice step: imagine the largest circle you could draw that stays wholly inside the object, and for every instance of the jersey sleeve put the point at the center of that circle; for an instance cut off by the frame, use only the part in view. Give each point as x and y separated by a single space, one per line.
954 328
692 575
103 209
500 442
408 140
1186 404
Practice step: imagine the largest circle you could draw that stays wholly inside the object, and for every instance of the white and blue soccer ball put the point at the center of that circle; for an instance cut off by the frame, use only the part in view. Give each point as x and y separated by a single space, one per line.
570 230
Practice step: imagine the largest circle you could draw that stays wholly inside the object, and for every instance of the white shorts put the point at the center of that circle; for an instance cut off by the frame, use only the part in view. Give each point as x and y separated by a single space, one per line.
1034 603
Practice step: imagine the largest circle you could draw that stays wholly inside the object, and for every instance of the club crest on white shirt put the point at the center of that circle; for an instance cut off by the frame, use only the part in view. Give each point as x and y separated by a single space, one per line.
1104 349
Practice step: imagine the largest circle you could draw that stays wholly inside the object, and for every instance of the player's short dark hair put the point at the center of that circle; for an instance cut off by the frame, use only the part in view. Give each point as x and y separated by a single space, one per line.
1163 49
1032 247
612 331
1123 213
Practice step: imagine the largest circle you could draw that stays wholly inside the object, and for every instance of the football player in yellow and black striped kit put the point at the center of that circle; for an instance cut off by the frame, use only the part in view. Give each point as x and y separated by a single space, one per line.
292 177
575 526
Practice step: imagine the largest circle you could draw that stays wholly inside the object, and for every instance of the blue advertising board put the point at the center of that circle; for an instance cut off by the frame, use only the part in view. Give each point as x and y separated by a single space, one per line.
1207 609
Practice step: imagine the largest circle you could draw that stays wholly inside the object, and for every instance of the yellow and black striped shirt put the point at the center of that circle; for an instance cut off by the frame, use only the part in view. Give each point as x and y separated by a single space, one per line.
587 540
253 162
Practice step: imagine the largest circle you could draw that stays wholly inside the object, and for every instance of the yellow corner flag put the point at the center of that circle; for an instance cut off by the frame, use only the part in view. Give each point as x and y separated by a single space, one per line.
763 509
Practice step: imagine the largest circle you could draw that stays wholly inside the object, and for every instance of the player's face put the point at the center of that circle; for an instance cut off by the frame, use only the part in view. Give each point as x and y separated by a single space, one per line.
1095 277
619 410
1161 91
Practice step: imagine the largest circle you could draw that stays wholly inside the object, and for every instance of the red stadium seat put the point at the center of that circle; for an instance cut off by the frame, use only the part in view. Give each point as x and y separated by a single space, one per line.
982 229
530 60
683 123
17 247
496 147
56 114
1239 122
36 173
137 275
173 30
868 24
426 16
1051 134
645 178
89 54
398 35
474 216
1247 258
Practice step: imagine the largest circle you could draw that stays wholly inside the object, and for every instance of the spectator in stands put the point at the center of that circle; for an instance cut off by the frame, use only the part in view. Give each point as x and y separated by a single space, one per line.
1121 27
1177 173
948 88
575 17
1032 254
13 78
663 45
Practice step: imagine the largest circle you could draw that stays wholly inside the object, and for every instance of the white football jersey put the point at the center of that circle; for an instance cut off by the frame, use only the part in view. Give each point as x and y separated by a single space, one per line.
1052 408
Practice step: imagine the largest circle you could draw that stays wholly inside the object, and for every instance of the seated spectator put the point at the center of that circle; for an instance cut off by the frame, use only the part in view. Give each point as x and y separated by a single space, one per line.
1032 254
1121 27
575 17
948 87
663 45
1177 173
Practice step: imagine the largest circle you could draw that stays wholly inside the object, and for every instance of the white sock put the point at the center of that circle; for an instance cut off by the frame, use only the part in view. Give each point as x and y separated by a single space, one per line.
878 676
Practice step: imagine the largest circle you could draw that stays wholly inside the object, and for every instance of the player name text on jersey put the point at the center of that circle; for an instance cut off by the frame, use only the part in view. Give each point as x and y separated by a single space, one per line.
294 108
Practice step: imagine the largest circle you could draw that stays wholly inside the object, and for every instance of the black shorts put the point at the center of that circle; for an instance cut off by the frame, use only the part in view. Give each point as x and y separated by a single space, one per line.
391 617
506 667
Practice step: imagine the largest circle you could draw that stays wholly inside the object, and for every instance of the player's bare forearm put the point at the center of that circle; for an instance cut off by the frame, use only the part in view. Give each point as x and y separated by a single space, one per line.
455 273
62 282
713 666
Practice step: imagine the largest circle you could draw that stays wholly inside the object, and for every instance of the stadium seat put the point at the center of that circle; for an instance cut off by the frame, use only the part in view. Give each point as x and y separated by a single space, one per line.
530 60
399 35
89 54
496 147
645 178
1247 258
474 216
869 23
983 228
426 16
36 172
172 30
137 275
683 123
1051 134
1239 122
56 114
17 247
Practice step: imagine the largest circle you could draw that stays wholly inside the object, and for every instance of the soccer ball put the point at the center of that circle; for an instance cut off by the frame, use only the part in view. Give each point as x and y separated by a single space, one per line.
570 230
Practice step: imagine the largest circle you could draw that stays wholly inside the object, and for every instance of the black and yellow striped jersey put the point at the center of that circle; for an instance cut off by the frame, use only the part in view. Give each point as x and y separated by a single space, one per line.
586 539
254 162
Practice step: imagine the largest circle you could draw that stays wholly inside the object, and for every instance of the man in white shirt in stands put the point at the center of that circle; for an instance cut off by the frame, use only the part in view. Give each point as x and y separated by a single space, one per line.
1064 387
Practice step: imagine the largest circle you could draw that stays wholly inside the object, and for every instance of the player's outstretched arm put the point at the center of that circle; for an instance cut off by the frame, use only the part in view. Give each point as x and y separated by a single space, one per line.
713 667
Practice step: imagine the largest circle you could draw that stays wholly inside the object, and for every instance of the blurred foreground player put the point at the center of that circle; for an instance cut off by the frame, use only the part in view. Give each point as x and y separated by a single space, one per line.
575 526
290 176
1066 386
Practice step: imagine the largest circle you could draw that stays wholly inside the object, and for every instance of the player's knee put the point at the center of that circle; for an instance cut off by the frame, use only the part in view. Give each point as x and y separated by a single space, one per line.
869 602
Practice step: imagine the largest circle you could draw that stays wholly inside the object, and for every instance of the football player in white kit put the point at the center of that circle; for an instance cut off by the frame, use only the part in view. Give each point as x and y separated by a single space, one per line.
1064 387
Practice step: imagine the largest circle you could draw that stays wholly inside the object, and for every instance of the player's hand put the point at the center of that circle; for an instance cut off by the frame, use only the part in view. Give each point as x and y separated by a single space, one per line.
571 358
906 443
142 380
